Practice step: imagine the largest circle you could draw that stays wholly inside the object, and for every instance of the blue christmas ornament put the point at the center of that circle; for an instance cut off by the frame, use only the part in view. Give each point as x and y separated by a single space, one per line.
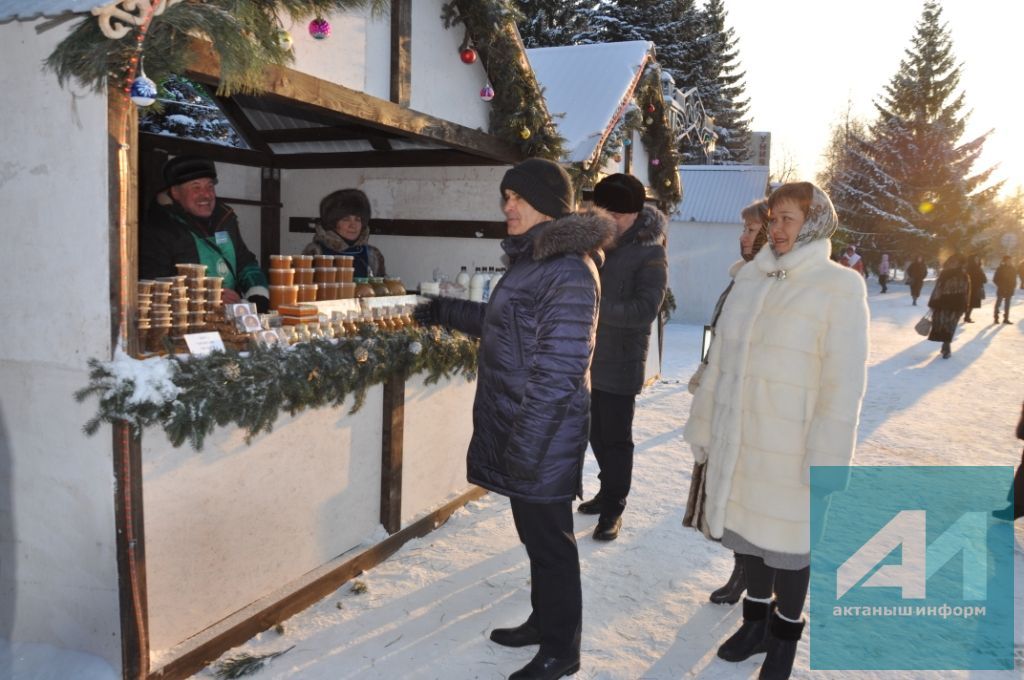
143 91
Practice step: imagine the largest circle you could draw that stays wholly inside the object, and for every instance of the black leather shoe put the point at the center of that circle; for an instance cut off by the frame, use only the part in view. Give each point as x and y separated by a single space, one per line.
520 636
732 590
781 647
591 507
547 668
752 637
607 529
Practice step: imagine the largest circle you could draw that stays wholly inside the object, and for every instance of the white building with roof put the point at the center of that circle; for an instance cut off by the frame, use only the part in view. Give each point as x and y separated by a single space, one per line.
703 237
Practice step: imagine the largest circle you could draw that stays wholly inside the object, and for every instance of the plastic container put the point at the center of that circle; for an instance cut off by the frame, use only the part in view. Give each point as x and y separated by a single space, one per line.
281 277
280 261
307 292
304 276
476 286
283 295
302 261
462 278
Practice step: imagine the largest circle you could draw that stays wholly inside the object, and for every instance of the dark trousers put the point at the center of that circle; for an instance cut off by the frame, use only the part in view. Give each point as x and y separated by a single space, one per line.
1006 306
883 281
611 437
555 591
787 585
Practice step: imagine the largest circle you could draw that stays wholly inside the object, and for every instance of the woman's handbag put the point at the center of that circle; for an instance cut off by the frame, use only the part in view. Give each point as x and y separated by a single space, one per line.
924 326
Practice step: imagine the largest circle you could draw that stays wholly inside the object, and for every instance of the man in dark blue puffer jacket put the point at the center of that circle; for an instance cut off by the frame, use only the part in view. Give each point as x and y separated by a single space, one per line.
532 408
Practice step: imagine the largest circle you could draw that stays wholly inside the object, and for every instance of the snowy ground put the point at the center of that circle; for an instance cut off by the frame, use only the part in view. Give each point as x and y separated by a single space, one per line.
428 609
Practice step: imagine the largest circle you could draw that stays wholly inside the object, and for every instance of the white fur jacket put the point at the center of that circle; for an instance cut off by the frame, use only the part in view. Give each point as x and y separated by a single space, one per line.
782 392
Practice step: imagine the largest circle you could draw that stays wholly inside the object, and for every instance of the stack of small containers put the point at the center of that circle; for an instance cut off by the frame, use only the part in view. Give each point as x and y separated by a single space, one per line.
294 279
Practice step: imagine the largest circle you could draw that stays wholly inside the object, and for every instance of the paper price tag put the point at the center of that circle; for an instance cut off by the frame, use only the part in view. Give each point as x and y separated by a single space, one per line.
201 344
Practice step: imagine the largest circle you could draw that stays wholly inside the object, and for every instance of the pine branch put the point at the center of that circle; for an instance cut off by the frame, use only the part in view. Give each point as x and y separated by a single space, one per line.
245 664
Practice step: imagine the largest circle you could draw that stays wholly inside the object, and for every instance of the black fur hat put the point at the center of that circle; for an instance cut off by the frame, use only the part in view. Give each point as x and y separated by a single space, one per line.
620 193
343 203
181 169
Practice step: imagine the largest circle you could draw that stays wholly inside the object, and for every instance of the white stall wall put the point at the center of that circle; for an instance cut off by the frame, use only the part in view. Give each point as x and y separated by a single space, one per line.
234 522
435 413
58 572
358 55
699 257
240 181
453 193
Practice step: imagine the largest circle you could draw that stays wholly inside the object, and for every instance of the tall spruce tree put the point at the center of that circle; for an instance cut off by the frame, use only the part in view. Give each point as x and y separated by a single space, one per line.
916 141
551 23
713 68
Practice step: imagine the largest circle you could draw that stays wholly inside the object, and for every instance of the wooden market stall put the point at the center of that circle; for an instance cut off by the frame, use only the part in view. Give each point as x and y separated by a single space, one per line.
156 557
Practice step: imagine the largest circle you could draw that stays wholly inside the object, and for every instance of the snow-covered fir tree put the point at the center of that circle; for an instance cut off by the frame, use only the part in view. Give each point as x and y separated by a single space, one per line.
916 141
551 23
188 110
711 64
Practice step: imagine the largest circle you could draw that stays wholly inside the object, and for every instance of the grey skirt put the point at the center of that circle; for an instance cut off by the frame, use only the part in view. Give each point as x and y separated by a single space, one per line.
776 560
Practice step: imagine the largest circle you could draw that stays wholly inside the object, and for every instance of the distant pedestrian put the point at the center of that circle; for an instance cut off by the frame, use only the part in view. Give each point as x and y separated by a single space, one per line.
978 280
915 277
852 259
1005 279
950 299
883 273
1020 273
1015 510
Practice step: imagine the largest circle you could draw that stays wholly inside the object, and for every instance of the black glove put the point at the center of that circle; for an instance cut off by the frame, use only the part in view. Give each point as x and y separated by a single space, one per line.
261 302
425 313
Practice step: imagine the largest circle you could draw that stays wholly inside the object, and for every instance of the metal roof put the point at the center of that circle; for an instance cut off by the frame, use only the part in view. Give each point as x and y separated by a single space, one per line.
586 86
718 193
30 9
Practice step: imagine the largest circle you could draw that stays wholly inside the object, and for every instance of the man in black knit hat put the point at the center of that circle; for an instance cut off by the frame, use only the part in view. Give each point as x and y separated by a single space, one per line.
633 283
187 224
532 405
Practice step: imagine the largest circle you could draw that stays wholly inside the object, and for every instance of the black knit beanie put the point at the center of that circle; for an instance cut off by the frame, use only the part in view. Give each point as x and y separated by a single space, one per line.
181 169
620 193
343 203
543 184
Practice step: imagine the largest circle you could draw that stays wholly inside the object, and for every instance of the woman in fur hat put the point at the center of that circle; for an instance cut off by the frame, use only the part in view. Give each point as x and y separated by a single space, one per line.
782 392
532 406
344 229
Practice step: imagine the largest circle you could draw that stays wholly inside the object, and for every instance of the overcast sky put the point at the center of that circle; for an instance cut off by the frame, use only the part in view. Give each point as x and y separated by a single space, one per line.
805 59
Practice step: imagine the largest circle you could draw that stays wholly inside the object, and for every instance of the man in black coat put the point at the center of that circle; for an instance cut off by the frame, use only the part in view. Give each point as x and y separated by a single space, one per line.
532 405
633 282
1005 279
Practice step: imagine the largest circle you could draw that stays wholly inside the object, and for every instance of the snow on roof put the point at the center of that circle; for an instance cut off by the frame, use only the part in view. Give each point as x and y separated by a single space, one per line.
589 84
717 193
30 9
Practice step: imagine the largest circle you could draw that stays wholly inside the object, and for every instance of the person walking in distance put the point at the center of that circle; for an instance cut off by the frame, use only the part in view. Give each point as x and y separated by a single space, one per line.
1005 279
978 280
950 298
916 273
531 413
633 282
883 273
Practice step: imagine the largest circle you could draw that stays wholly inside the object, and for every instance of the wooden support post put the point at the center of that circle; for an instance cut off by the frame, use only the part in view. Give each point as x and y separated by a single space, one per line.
391 454
401 51
270 214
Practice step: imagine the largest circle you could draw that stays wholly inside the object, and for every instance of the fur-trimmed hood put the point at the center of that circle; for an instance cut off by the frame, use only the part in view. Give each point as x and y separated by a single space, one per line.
648 230
335 242
584 233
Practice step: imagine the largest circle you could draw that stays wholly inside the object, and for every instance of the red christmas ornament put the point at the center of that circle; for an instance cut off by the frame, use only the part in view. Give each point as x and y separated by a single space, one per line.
467 55
650 108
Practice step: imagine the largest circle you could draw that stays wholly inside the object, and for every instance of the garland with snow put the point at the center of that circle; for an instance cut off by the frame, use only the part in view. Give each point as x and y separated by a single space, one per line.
189 396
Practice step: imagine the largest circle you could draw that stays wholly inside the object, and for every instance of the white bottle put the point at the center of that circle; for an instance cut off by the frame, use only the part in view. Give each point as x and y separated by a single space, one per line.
488 279
463 278
476 286
497 277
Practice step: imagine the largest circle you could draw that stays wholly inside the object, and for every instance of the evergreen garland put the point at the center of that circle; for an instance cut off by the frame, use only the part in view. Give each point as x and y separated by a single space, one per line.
658 138
518 114
252 390
244 33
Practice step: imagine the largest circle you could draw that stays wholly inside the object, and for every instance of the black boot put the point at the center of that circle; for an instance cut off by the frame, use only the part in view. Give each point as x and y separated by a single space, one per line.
782 638
520 636
548 668
945 350
734 587
591 507
752 637
607 529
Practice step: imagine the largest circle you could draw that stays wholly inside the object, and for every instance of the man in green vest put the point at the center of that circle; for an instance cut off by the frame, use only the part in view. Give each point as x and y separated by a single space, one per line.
187 224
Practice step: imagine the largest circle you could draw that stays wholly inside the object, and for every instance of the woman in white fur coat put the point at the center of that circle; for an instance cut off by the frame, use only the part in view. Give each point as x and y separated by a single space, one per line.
782 392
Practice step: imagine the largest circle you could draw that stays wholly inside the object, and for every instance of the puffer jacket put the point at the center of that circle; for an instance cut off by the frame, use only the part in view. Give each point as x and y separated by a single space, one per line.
633 281
531 414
